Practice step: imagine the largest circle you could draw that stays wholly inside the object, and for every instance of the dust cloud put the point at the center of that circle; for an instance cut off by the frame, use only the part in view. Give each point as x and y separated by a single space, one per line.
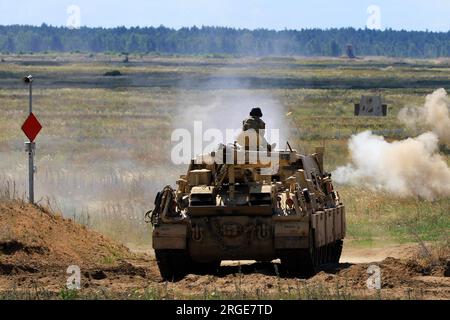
434 115
408 168
225 110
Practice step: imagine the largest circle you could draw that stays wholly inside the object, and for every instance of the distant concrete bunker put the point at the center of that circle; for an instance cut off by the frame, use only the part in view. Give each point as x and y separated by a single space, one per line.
371 106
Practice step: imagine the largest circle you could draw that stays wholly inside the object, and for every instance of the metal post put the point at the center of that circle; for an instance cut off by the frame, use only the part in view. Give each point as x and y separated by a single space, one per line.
30 146
31 97
31 171
31 154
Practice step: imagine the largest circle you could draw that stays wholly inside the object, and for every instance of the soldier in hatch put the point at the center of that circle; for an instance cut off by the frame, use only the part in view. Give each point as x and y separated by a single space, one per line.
253 129
254 121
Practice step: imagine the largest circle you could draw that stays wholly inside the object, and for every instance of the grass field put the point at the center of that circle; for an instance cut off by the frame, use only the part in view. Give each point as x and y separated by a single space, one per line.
105 147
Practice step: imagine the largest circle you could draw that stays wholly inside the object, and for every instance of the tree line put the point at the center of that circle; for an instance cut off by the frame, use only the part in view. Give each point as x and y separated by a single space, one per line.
223 40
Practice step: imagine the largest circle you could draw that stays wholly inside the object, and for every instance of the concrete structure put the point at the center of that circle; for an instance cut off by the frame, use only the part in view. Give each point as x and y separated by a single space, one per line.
371 106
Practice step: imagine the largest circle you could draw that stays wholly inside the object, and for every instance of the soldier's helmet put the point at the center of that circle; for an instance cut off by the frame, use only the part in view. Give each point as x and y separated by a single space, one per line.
256 112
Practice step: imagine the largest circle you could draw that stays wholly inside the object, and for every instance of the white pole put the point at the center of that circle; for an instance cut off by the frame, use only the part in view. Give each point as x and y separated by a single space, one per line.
30 147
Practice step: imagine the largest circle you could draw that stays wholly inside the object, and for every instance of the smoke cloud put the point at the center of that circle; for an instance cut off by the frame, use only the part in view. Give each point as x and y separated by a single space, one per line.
410 167
434 115
406 168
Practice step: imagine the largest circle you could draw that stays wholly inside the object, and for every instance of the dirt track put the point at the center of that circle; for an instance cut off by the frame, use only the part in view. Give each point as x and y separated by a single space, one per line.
400 279
36 248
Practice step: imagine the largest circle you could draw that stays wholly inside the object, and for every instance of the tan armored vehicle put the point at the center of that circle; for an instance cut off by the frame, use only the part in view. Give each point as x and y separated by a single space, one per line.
239 204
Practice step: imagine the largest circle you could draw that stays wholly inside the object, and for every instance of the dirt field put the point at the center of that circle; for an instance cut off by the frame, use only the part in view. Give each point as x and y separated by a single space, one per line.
36 247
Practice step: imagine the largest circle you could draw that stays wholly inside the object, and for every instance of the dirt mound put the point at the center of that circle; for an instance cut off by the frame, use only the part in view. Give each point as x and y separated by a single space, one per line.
36 247
32 238
400 279
394 273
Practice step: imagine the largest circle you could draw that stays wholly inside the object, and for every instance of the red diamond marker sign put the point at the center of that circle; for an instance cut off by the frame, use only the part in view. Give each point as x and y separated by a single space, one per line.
31 127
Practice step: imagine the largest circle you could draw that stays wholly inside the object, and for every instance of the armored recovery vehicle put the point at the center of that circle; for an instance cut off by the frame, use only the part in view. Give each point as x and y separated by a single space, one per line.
232 205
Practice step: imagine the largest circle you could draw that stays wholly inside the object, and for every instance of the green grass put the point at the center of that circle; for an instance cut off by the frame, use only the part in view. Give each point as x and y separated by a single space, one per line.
104 151
374 218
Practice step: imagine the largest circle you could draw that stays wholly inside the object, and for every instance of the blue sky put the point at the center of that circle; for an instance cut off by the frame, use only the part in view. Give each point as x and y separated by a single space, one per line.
273 14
